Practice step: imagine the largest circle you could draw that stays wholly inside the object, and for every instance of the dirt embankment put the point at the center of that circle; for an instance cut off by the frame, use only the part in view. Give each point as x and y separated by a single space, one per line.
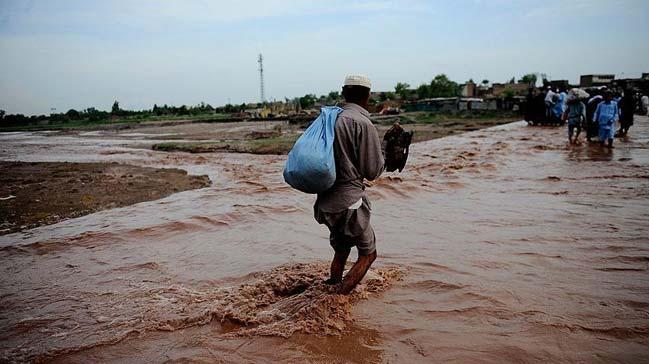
266 145
203 138
34 194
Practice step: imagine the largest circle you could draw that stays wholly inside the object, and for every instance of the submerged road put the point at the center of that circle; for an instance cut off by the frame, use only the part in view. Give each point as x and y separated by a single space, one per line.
514 247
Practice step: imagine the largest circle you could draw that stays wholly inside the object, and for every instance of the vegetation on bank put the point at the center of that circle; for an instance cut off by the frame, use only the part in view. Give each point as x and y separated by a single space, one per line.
439 86
91 117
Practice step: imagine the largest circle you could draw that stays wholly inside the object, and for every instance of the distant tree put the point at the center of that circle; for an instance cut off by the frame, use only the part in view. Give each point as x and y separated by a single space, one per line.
229 108
423 91
441 86
470 80
95 115
115 110
307 101
73 114
2 114
402 89
512 80
485 82
529 78
333 96
383 96
508 92
15 119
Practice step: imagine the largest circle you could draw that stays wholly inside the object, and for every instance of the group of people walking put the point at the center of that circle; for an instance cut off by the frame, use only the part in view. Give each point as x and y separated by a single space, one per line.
600 115
597 112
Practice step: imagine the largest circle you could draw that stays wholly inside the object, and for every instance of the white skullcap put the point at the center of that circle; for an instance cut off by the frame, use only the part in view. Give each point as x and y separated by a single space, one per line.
358 80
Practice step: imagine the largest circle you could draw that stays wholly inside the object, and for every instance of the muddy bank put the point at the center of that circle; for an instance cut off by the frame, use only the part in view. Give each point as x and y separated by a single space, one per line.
34 194
261 139
441 128
272 145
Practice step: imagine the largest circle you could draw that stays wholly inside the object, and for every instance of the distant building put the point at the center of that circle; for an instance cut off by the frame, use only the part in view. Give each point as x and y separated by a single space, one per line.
518 89
595 80
645 76
469 89
560 84
467 104
380 96
638 84
438 104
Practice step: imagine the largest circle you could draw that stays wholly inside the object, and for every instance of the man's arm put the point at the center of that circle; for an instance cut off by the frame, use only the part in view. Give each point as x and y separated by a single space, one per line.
596 113
370 154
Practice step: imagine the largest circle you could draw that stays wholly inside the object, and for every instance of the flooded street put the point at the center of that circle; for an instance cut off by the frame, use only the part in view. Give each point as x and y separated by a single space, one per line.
498 245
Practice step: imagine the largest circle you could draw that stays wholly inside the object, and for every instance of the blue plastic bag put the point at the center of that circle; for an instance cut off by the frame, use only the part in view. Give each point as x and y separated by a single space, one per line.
311 166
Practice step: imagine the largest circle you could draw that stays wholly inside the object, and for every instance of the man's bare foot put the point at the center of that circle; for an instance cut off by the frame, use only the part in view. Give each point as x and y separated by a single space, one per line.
356 274
338 266
332 281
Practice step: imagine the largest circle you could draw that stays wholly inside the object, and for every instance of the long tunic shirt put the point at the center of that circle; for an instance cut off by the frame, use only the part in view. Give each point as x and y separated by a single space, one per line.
549 97
358 154
560 106
606 114
576 111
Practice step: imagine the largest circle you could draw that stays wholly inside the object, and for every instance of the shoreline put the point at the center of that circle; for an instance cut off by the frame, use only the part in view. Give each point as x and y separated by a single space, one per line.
33 194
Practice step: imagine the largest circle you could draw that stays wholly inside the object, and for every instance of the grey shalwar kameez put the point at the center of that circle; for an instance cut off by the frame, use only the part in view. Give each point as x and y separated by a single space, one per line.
344 208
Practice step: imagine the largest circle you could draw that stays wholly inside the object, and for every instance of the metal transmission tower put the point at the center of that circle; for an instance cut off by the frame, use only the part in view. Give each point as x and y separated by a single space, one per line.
260 60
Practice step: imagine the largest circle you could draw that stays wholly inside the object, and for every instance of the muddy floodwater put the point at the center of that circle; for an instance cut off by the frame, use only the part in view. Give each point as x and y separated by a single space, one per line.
498 245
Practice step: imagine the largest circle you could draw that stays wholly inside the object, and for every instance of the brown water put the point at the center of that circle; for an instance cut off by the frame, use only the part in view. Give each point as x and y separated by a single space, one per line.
500 245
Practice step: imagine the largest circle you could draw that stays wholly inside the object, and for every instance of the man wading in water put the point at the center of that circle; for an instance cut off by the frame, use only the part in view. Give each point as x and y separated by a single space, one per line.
344 208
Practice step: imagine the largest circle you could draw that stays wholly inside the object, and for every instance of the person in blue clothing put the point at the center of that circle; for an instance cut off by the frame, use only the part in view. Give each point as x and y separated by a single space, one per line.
560 105
575 114
606 115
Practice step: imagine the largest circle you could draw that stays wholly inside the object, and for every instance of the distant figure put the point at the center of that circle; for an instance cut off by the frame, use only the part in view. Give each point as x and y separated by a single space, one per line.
563 96
344 208
540 110
559 105
617 96
606 114
549 103
627 109
592 128
645 104
576 116
529 106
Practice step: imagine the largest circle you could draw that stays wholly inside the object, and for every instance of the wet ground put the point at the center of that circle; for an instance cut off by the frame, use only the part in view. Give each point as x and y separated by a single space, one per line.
41 193
498 245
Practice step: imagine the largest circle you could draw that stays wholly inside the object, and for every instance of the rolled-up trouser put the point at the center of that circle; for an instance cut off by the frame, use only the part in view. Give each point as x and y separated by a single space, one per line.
349 228
572 124
606 132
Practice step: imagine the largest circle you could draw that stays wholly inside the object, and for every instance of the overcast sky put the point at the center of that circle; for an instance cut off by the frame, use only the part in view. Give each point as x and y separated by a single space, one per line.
76 54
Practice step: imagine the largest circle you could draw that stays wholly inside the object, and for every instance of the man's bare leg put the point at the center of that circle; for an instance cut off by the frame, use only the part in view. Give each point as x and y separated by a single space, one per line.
357 272
338 266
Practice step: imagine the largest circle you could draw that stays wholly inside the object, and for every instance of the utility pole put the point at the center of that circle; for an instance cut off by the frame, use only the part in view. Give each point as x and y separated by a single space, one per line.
260 60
